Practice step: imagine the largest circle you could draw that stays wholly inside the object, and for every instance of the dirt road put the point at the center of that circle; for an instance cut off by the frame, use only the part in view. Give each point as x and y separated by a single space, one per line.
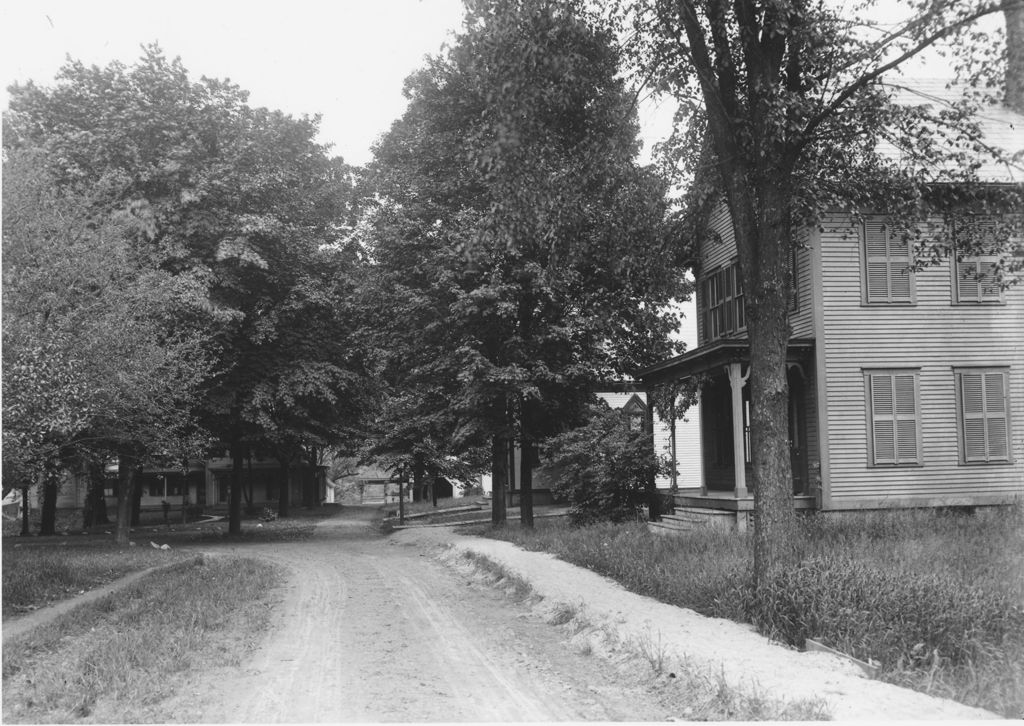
373 630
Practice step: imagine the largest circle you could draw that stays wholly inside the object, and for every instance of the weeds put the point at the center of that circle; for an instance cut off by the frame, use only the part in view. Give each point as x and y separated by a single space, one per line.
516 587
934 597
114 661
37 576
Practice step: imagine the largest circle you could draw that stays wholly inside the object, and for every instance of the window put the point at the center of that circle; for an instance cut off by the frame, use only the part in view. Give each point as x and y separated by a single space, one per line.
975 281
886 264
721 302
893 418
983 412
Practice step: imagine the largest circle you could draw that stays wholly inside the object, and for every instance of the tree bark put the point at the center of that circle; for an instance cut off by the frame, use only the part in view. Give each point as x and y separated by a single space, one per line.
499 479
433 485
282 495
25 530
235 496
418 469
48 524
125 482
136 496
525 465
97 489
764 246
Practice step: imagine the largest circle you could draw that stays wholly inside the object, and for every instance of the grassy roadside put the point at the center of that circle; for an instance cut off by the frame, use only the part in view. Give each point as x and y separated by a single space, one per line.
935 598
34 577
116 660
707 698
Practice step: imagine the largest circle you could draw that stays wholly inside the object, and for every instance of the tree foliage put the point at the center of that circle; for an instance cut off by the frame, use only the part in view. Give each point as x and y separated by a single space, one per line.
791 109
525 246
603 467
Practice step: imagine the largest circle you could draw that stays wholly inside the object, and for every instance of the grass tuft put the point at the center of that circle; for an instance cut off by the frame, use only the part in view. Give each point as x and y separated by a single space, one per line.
115 660
934 597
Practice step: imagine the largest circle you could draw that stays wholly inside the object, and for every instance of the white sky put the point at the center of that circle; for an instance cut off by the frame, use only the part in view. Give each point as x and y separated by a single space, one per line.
343 59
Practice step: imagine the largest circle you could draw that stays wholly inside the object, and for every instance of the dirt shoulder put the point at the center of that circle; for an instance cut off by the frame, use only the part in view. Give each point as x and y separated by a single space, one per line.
735 652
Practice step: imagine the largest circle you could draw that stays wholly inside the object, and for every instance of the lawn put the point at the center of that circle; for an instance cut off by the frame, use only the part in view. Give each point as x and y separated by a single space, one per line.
935 598
119 660
36 576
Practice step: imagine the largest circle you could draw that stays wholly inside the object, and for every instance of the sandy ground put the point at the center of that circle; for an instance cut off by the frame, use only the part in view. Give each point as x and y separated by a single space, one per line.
380 629
405 628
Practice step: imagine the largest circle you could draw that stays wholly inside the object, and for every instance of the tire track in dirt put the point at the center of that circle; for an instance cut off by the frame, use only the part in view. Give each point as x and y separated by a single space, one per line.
370 630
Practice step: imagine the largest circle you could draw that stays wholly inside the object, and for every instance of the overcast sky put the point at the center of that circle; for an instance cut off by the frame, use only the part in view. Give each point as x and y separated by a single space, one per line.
343 59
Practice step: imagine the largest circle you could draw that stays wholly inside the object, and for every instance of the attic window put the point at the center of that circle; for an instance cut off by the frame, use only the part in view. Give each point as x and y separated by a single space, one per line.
634 411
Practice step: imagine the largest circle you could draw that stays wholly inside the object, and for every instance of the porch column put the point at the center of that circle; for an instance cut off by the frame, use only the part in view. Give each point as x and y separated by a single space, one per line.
736 382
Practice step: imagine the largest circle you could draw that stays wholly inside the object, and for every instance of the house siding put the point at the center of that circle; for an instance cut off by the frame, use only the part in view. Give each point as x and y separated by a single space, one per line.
934 337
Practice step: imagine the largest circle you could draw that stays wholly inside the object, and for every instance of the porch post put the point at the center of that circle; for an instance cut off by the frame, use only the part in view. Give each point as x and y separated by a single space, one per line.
736 381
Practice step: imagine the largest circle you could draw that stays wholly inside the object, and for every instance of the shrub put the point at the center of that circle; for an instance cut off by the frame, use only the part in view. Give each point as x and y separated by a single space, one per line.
602 468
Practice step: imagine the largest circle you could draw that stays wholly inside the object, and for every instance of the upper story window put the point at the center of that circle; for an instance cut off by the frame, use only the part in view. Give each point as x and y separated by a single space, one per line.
721 302
887 275
974 276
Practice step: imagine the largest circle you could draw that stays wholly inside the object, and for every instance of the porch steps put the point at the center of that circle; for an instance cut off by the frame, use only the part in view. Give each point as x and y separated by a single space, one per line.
690 519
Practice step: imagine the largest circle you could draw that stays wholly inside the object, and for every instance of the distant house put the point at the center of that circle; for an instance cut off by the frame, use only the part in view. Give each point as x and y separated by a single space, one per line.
906 388
206 485
678 444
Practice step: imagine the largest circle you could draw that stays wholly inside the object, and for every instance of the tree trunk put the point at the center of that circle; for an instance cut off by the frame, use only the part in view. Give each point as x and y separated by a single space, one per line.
247 488
650 483
25 532
235 496
433 485
136 495
401 499
125 481
48 524
282 495
97 489
418 470
525 465
764 247
499 479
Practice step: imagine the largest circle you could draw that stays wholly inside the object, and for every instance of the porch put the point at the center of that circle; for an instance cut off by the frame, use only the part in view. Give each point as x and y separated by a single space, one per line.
722 369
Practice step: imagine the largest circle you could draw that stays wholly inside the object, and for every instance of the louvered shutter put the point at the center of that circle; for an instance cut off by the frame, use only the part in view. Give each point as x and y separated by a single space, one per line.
983 407
883 419
968 282
894 418
887 263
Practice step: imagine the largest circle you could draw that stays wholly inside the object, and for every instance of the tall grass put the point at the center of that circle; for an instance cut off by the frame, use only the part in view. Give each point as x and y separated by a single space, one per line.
934 598
116 660
36 576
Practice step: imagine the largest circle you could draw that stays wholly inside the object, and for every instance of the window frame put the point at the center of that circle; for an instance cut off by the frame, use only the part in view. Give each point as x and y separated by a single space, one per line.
961 415
872 418
980 298
721 300
889 260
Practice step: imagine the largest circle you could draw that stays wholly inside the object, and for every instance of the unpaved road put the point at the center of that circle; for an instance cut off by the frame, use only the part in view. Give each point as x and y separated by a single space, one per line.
374 630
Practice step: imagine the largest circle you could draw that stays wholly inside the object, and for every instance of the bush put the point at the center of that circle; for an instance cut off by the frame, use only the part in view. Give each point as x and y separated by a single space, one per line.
602 468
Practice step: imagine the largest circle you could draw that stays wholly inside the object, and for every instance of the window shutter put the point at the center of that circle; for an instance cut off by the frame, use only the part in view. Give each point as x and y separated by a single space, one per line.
883 419
986 435
877 261
894 419
887 263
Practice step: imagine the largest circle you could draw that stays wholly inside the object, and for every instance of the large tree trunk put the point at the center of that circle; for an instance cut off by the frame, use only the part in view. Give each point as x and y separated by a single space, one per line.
282 496
499 479
97 489
235 497
51 481
125 485
764 246
433 485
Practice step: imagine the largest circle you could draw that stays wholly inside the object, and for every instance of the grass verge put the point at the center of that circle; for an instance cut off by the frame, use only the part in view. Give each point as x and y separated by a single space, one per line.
34 577
116 660
935 598
707 698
